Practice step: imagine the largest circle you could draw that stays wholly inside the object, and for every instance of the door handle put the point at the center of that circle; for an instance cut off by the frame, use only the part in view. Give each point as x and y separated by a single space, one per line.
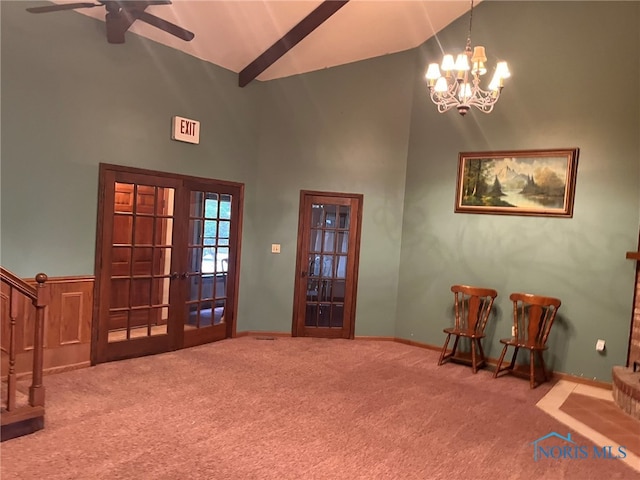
174 275
185 275
303 274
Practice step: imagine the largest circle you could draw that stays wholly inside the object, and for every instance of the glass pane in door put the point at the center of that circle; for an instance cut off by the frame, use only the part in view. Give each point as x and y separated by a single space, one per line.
327 261
141 251
208 258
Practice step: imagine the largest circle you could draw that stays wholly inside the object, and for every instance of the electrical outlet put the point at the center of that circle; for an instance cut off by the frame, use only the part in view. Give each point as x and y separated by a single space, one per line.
275 248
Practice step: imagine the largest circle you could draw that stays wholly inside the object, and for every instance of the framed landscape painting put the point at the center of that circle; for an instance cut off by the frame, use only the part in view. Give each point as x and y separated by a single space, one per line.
525 182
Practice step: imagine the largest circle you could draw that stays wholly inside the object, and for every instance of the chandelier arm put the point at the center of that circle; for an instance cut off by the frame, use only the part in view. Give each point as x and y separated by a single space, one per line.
483 100
444 102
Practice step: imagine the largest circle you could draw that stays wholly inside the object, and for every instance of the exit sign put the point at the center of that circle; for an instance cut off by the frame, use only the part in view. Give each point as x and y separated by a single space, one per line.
185 130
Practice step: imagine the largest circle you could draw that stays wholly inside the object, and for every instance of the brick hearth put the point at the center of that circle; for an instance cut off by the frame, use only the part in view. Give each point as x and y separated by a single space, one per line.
626 383
626 390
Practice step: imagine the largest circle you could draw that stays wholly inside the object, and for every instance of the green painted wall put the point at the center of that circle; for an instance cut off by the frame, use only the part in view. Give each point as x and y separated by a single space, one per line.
575 76
70 100
342 129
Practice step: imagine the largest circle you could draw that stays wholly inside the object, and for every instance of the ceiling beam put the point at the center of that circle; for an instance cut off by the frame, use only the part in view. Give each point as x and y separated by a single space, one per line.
307 25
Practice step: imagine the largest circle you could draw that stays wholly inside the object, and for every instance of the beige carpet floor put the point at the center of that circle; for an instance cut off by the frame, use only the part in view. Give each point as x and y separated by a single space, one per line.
293 408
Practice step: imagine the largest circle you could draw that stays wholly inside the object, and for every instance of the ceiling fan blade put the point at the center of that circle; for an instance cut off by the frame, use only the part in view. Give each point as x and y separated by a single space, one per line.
66 6
136 5
168 27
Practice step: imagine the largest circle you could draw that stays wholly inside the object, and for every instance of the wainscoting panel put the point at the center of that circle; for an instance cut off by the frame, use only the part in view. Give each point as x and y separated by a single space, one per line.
67 325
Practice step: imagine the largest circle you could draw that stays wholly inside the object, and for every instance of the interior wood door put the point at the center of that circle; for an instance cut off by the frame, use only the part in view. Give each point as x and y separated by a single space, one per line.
211 253
142 230
135 286
166 262
327 264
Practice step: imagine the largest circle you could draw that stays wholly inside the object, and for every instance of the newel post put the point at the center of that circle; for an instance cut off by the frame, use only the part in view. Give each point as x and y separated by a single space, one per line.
36 391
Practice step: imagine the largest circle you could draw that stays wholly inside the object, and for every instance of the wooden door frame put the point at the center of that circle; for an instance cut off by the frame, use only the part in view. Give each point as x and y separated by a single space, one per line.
101 289
301 263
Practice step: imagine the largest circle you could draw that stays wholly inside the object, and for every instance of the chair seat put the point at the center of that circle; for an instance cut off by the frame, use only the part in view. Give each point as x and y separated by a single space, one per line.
523 343
463 332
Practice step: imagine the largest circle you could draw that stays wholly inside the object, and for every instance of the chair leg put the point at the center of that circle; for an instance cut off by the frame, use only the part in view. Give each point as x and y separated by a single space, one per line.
483 359
474 365
455 346
444 350
498 369
532 370
544 370
513 358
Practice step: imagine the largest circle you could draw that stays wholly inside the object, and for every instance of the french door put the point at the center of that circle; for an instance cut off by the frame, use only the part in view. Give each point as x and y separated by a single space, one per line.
327 264
166 261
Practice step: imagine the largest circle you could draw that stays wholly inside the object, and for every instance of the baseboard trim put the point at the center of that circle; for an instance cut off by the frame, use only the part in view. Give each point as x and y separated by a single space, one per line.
378 339
52 370
66 368
261 333
583 381
413 343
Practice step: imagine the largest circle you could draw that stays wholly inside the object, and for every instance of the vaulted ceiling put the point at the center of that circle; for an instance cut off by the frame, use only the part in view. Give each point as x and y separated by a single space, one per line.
268 39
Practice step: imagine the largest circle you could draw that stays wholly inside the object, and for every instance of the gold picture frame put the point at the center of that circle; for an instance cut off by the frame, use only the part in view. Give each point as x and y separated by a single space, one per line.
519 182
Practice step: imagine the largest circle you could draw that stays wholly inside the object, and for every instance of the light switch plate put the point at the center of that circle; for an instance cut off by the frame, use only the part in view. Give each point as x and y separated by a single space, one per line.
600 345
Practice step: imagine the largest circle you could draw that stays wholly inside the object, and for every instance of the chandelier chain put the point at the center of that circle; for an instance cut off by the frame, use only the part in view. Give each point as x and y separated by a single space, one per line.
468 47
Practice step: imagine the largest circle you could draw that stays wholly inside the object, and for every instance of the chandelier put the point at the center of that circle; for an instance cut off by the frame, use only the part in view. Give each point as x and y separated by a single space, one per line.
460 85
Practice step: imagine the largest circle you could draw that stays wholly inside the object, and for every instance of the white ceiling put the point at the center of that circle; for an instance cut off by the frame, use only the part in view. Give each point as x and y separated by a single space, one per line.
233 33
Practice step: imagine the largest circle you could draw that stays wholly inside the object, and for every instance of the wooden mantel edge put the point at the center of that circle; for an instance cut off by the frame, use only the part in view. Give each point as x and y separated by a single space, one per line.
633 255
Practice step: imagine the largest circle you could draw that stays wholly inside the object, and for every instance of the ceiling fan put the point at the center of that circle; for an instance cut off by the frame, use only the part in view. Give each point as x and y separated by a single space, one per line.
121 15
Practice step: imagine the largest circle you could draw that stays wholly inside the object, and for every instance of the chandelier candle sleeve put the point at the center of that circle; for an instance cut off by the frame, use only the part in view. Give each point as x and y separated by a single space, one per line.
457 84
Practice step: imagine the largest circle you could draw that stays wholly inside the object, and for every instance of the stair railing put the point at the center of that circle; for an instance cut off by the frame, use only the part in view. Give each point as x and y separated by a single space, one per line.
39 296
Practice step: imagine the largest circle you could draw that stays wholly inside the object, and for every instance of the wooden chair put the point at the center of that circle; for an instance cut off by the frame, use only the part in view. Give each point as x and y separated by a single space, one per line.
472 308
533 316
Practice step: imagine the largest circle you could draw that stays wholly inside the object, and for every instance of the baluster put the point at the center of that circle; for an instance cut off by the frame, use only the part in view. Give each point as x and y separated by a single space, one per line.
11 378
